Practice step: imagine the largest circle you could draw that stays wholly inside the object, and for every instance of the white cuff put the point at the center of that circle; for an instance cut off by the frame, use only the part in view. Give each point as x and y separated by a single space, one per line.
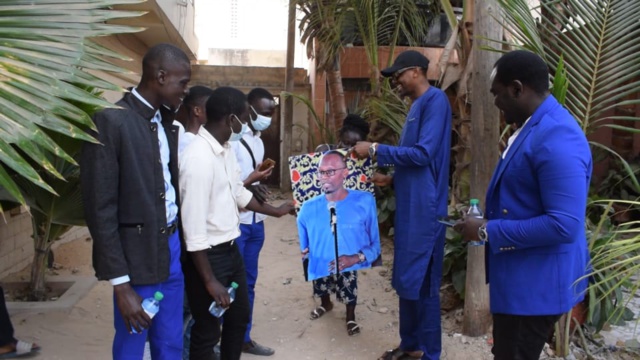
120 280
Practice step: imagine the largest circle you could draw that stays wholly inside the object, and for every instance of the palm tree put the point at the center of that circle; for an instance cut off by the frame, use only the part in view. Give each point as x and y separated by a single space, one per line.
328 25
597 41
47 94
321 27
456 78
388 24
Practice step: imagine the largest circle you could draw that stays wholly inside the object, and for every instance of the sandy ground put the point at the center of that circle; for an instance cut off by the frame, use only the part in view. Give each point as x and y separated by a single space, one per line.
283 303
281 321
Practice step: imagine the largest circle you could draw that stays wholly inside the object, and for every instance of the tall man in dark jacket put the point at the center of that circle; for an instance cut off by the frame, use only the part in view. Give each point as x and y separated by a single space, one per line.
130 194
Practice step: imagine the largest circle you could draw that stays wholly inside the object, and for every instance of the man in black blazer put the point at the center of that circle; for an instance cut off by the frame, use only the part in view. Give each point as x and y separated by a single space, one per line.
130 194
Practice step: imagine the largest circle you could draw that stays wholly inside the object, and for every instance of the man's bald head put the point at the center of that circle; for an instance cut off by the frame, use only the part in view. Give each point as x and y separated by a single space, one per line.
334 155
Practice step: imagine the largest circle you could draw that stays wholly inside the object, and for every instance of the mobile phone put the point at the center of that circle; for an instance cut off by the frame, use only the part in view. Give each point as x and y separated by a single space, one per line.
447 221
267 163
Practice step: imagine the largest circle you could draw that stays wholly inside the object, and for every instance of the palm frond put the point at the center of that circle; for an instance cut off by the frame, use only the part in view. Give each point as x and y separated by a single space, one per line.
386 110
321 28
46 60
598 42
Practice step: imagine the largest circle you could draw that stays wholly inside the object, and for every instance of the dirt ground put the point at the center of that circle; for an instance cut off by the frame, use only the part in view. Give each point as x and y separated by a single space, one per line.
281 321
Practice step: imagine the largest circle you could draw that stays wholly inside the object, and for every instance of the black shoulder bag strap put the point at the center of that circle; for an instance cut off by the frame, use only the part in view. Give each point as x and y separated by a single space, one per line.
253 159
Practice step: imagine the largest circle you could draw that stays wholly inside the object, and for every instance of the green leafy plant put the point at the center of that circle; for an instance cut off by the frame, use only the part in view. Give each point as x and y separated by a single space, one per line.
615 259
454 267
52 215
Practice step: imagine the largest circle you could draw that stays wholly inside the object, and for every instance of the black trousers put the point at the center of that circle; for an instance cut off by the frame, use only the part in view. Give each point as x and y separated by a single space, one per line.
227 266
6 329
517 337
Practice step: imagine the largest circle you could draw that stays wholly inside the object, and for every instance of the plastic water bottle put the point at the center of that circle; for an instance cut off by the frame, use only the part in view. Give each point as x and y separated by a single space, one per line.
474 211
151 306
216 310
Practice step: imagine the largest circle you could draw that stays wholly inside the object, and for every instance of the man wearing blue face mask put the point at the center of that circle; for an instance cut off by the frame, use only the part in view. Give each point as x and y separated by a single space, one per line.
212 193
249 151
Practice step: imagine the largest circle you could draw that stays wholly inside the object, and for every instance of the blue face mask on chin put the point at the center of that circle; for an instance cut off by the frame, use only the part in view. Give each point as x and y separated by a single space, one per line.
237 136
261 122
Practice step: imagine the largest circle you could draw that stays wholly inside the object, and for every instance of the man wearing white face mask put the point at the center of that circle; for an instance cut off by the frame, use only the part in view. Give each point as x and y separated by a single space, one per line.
212 192
249 151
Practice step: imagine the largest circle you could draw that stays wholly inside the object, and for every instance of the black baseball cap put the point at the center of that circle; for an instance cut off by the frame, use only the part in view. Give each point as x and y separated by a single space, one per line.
406 59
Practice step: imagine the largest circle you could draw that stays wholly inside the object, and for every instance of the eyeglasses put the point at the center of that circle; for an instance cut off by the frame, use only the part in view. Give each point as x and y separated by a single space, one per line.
329 173
396 75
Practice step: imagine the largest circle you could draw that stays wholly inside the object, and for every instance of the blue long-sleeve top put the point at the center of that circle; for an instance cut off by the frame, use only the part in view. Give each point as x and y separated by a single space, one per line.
421 183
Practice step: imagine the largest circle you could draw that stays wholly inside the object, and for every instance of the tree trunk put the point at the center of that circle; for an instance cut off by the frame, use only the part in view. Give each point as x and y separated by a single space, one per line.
485 130
460 182
287 123
462 153
336 97
41 246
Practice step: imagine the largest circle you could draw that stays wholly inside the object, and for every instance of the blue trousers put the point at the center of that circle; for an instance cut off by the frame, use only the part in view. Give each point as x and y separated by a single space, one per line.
165 332
250 243
420 327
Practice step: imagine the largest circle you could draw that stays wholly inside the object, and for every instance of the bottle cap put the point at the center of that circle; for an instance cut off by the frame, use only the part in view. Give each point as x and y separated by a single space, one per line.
158 296
234 285
474 201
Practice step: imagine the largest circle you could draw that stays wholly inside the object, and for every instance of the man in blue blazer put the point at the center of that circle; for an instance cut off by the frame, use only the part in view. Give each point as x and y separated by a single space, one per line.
536 247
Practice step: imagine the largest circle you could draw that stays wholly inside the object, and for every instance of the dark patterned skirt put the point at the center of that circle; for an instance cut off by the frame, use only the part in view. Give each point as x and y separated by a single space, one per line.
345 286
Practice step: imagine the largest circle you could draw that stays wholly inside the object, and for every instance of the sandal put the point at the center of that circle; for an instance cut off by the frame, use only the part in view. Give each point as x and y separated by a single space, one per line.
399 354
353 328
317 313
22 349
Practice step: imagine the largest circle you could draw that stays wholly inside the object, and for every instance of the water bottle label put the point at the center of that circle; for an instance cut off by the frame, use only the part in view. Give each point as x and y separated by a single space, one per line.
477 243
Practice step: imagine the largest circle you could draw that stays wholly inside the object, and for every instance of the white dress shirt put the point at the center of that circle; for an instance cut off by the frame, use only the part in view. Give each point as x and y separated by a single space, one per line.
211 192
246 166
170 192
513 137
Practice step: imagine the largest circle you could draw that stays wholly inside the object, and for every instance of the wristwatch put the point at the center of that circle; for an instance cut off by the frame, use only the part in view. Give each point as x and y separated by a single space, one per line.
361 258
483 235
372 149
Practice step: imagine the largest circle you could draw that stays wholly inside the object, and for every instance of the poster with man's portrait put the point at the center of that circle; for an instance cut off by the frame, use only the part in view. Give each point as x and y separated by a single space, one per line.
351 223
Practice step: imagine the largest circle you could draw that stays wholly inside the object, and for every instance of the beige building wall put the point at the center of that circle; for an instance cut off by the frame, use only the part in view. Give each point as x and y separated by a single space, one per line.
165 21
247 57
181 13
16 243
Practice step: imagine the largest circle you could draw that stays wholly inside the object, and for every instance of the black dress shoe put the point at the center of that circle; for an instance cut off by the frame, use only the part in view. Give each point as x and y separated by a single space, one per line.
254 348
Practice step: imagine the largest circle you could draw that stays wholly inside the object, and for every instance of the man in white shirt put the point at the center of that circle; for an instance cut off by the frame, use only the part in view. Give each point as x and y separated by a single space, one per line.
191 116
212 193
250 154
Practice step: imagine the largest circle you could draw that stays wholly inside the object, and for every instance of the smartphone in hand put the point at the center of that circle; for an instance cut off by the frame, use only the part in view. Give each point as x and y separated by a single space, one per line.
267 163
